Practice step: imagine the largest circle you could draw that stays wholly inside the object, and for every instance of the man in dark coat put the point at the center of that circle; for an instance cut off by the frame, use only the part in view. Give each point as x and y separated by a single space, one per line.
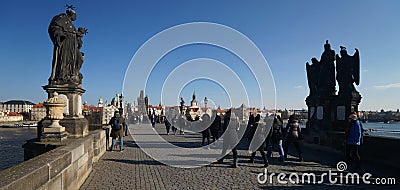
230 137
117 130
293 135
206 132
167 125
262 136
215 126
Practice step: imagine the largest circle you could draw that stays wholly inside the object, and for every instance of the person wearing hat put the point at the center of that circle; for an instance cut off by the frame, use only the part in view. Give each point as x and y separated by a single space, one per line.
117 130
353 140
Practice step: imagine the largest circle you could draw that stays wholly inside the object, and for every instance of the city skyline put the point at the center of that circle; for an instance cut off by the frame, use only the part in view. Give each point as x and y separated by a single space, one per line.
288 34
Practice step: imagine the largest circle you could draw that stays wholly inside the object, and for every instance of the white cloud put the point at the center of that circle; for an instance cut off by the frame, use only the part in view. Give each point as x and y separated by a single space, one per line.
298 87
388 86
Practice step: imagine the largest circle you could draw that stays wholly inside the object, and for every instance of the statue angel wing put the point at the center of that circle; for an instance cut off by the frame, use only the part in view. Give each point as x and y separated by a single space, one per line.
356 67
309 77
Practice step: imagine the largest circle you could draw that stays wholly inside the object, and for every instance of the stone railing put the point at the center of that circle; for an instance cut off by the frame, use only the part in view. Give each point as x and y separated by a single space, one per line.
65 167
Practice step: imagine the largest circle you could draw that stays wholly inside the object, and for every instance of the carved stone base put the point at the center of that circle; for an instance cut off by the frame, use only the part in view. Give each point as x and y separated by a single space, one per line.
327 117
53 137
75 127
74 122
53 134
72 93
54 130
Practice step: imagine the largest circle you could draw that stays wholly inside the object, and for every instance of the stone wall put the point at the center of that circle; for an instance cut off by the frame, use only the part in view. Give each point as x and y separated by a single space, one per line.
374 149
66 167
381 150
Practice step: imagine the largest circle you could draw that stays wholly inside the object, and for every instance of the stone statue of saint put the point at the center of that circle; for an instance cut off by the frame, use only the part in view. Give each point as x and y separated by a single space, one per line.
327 82
182 105
348 71
67 40
313 72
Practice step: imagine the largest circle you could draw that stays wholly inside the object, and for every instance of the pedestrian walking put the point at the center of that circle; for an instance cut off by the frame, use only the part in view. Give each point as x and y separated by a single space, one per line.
215 126
276 138
174 124
181 124
117 130
230 137
293 135
153 120
206 133
250 126
167 125
263 136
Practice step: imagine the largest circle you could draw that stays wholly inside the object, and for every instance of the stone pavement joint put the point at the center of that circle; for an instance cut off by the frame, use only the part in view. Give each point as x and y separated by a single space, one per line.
134 169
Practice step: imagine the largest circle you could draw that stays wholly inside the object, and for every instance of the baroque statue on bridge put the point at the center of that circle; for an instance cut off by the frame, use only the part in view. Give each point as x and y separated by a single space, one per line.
348 71
326 79
67 41
321 74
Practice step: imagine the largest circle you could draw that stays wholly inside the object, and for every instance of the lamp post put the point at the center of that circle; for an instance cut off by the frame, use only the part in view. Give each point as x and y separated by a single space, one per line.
121 107
205 103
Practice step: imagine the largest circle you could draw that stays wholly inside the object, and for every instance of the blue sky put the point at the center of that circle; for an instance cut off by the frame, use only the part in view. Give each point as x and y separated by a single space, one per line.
288 33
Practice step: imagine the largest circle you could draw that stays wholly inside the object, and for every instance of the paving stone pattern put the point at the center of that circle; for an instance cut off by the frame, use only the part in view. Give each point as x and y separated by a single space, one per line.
133 169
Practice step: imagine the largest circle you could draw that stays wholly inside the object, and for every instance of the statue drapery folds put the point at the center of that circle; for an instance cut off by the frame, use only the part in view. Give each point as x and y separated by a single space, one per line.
67 57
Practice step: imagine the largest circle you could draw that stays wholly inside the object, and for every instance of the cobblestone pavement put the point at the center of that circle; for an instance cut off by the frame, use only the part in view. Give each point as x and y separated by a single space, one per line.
134 169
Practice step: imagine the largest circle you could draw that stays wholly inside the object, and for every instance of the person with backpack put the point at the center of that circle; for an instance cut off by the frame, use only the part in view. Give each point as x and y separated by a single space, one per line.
353 140
276 138
117 130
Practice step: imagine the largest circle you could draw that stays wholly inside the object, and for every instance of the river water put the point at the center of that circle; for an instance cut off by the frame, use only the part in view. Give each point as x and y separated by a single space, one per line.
383 129
11 140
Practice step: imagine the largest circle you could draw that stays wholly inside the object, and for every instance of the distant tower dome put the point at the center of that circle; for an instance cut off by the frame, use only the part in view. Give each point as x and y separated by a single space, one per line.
100 103
194 103
115 100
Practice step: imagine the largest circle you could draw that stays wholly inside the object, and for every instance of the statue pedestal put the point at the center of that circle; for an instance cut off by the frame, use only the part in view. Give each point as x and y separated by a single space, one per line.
53 134
327 117
76 125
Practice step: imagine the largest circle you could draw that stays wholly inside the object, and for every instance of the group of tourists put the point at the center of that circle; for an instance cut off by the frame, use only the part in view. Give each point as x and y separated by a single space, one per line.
269 138
272 138
176 125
